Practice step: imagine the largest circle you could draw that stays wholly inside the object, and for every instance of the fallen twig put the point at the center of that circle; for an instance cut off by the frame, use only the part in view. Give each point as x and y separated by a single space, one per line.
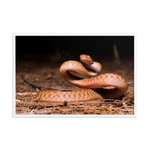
131 82
116 54
39 86
26 93
18 100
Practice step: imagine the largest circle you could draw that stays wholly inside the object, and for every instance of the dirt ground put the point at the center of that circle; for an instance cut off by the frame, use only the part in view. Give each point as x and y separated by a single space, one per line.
31 76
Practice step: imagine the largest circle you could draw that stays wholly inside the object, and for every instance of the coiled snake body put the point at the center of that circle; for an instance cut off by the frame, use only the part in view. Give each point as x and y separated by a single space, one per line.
107 85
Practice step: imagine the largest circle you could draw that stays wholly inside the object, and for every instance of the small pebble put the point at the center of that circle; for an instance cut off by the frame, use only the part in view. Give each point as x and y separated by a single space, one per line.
119 104
65 103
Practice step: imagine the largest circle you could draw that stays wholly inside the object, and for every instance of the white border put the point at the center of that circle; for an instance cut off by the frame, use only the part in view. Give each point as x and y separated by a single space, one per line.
74 34
73 116
75 31
14 76
135 75
10 73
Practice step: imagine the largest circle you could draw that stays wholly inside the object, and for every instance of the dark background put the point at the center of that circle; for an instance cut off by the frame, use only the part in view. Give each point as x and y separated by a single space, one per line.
61 48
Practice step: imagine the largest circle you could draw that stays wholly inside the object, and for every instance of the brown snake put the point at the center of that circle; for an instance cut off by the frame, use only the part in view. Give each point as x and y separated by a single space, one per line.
107 85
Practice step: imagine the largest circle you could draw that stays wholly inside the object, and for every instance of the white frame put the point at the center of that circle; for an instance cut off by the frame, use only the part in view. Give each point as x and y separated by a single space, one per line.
73 116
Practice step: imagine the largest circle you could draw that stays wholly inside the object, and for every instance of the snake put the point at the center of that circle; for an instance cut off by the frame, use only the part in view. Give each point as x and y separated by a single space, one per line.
94 86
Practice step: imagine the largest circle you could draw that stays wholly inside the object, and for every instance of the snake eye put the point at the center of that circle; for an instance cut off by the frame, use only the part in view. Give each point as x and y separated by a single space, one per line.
88 57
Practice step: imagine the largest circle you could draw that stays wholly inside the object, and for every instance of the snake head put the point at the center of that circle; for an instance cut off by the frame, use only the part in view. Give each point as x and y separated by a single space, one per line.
86 59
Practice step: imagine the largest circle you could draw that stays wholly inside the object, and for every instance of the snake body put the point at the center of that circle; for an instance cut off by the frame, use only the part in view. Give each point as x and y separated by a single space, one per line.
107 85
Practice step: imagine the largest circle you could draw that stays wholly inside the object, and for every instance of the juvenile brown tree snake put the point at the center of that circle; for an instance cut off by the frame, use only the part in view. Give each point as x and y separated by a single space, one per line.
107 85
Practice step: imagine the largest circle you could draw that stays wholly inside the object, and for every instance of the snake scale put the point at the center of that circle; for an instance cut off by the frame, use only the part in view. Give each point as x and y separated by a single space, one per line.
107 85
